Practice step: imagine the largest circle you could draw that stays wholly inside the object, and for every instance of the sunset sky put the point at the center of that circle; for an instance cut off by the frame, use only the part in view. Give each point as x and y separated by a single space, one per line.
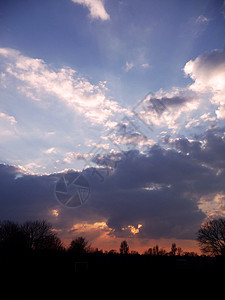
130 95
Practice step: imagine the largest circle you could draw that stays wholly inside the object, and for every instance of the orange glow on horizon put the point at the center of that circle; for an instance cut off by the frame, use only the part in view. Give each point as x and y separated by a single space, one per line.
100 235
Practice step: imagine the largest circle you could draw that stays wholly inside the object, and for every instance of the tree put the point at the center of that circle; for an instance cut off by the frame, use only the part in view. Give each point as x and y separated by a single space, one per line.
112 252
124 248
39 236
33 235
155 251
149 251
211 237
79 246
173 249
179 251
11 236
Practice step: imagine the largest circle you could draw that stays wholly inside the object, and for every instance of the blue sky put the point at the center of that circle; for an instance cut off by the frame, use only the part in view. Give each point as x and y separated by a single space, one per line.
76 73
135 47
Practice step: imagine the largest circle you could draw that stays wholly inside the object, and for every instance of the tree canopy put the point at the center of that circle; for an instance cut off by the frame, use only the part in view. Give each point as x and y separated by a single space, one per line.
124 248
211 237
35 235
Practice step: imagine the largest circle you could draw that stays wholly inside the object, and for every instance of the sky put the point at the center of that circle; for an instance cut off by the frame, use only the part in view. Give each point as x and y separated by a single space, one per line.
112 118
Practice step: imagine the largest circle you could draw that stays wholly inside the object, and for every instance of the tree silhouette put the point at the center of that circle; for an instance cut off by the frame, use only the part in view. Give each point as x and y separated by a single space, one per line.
39 236
179 251
79 246
11 236
32 235
155 251
173 249
211 237
124 248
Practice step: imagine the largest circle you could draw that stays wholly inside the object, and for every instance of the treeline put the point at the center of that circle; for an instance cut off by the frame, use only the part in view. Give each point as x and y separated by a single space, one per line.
31 235
39 236
33 248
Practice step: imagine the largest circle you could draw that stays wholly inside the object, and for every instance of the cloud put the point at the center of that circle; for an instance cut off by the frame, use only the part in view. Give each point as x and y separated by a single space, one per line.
29 196
9 119
129 66
172 108
209 150
145 65
50 150
38 81
154 194
208 74
70 156
96 8
165 108
127 133
207 118
7 125
202 19
160 189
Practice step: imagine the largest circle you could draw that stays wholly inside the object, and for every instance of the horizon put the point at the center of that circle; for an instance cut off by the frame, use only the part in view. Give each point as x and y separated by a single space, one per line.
112 118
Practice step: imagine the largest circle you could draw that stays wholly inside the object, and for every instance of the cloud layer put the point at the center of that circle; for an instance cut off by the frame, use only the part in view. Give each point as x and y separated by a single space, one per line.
38 81
165 191
96 8
156 194
208 73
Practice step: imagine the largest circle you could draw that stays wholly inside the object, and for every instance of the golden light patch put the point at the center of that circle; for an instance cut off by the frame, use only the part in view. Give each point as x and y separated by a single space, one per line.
81 227
55 212
132 228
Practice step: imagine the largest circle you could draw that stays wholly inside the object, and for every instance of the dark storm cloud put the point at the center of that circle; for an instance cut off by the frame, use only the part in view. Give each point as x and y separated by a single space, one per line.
208 148
24 196
153 189
167 103
159 189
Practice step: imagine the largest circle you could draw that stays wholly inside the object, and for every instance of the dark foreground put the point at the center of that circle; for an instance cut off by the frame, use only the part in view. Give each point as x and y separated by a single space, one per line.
62 269
60 275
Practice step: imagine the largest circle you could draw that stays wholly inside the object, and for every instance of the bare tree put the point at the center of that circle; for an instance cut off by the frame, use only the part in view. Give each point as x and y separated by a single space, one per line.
11 236
39 236
124 248
211 237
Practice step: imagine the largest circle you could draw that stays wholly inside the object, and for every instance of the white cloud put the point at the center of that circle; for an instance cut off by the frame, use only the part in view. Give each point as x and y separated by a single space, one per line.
193 123
9 119
165 108
36 80
96 8
208 74
101 145
129 66
206 118
131 138
202 19
71 156
50 150
145 65
8 126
